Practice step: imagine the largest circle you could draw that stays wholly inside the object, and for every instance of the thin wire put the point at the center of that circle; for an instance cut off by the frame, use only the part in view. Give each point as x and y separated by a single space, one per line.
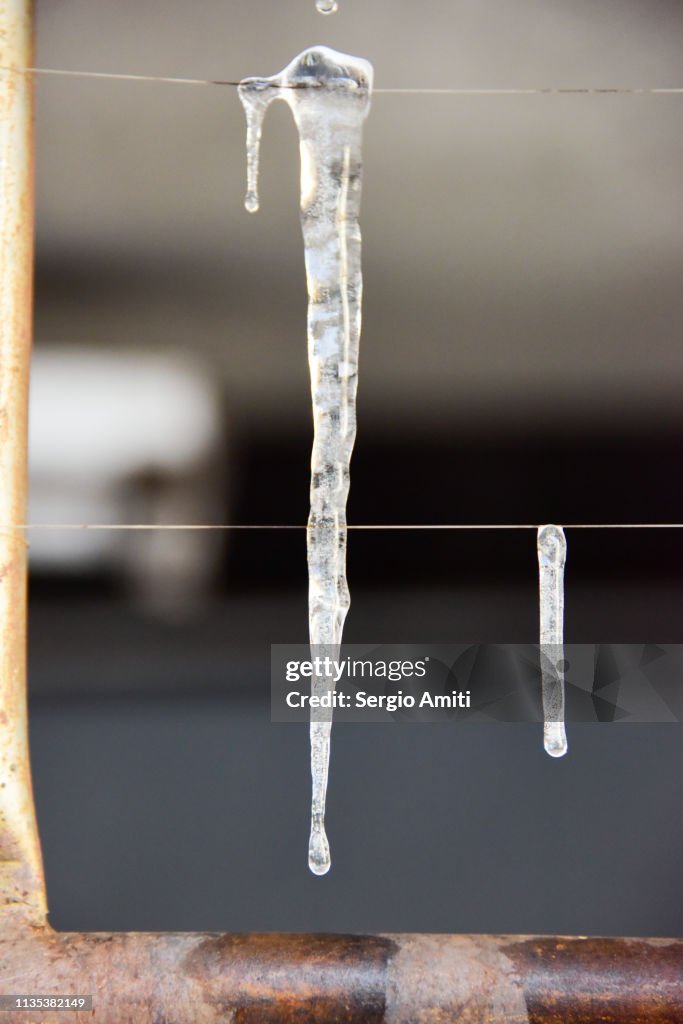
401 91
535 92
355 526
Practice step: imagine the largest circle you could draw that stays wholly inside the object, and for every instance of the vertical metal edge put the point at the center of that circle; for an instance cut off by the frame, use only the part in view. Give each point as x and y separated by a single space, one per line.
22 889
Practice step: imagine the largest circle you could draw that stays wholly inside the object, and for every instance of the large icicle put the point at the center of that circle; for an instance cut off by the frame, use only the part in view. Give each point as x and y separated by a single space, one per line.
329 95
552 552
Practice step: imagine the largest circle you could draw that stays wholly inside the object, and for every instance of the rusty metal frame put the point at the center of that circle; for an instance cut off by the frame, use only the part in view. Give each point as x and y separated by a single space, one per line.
245 979
21 875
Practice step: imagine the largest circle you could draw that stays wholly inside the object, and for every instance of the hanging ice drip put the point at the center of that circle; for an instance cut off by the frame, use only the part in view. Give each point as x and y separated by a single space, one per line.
329 95
552 552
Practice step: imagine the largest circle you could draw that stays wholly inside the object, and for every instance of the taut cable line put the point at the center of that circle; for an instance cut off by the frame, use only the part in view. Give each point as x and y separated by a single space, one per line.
407 91
351 526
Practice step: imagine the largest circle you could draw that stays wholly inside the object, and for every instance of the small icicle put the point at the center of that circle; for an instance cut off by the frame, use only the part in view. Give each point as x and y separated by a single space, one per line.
326 6
329 95
552 551
256 95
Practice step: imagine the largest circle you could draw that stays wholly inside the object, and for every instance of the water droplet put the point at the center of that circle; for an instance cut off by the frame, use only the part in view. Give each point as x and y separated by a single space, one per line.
555 739
319 860
326 6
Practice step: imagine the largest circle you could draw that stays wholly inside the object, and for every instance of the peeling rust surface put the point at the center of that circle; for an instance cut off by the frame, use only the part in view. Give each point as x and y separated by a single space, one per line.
435 979
610 981
282 978
344 979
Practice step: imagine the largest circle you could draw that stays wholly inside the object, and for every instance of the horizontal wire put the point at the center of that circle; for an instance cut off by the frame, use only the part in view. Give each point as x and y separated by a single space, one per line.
355 526
399 91
559 91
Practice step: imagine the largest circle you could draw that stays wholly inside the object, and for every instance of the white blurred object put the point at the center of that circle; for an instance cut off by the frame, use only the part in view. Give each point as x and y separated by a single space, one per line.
126 437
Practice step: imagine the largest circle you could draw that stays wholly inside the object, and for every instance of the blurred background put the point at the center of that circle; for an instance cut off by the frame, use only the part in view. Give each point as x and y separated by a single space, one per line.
520 363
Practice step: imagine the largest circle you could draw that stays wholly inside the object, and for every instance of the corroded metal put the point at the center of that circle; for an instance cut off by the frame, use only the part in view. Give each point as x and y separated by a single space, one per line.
22 893
347 979
633 981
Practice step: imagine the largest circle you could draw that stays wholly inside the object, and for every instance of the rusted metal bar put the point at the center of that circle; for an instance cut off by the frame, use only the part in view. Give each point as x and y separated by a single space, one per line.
346 979
22 892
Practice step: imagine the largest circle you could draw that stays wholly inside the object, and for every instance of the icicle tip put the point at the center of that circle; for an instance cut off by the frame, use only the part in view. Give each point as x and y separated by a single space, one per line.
319 860
555 739
251 203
